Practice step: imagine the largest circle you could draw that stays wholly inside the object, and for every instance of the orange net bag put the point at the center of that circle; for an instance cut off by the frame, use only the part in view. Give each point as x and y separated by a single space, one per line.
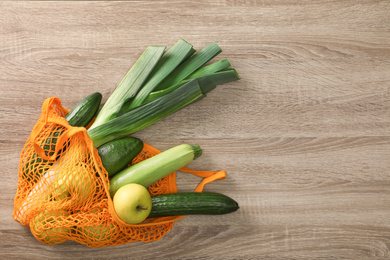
63 189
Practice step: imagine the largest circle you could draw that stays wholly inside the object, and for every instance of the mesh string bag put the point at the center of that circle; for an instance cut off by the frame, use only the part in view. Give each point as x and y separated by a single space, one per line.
63 189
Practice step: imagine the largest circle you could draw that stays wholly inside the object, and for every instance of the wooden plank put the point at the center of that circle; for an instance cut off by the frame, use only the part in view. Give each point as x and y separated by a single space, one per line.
303 136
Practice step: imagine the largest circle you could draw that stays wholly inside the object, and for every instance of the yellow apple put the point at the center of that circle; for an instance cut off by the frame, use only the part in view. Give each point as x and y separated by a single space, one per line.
104 231
76 183
47 227
99 232
132 203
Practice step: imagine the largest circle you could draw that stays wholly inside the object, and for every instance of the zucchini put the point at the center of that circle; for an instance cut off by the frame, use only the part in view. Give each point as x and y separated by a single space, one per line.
192 203
119 153
155 168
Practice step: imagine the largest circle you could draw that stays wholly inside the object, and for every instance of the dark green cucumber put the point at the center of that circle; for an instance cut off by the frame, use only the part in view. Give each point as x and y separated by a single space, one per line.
50 142
34 168
192 203
80 115
119 153
83 112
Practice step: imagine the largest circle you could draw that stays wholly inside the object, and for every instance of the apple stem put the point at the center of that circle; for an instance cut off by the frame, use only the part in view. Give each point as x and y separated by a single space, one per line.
141 208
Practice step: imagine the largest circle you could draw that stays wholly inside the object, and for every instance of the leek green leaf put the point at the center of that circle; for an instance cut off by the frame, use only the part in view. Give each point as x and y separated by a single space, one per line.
131 84
190 65
146 114
168 63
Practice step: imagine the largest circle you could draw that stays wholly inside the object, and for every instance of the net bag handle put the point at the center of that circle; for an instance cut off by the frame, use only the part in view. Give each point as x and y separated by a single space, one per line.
47 109
208 176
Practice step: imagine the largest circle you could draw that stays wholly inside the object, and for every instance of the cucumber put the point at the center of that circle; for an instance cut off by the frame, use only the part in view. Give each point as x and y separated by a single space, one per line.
30 171
155 168
83 112
119 153
80 115
192 203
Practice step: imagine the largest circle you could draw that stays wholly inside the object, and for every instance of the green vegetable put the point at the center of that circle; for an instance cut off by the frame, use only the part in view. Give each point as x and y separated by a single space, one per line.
84 111
147 114
207 82
80 115
130 85
165 66
192 203
31 172
157 86
155 168
222 77
119 153
190 65
210 69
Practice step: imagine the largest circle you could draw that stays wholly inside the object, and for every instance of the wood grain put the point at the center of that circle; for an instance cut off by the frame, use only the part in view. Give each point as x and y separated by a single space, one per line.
304 135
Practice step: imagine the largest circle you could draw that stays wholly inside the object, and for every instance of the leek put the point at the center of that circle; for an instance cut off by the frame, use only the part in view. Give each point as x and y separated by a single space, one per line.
210 69
217 78
130 85
222 77
146 114
176 55
207 83
190 65
158 85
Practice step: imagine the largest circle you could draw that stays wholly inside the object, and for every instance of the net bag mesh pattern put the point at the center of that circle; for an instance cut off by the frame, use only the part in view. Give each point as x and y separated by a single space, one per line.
63 189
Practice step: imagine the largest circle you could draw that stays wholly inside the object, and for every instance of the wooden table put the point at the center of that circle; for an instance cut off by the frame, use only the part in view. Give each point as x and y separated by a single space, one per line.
304 135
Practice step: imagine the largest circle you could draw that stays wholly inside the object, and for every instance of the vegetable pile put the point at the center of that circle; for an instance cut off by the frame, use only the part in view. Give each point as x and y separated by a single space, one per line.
159 83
